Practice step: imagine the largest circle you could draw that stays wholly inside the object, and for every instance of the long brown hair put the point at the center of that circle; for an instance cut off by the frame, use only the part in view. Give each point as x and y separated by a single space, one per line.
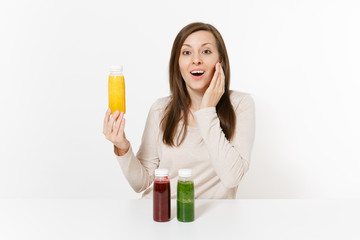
178 107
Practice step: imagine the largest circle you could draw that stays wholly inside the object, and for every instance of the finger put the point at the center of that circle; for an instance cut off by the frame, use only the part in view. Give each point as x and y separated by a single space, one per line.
107 114
117 124
215 77
221 81
106 119
122 127
222 78
218 82
112 120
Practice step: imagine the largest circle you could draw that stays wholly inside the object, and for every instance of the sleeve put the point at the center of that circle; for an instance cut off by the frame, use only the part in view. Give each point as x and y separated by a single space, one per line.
230 159
139 170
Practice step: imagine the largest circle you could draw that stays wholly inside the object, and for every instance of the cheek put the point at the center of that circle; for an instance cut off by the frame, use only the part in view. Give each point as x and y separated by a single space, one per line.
212 71
182 66
212 62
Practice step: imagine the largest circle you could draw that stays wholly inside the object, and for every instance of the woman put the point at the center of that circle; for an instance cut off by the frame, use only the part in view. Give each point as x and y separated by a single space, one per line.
202 125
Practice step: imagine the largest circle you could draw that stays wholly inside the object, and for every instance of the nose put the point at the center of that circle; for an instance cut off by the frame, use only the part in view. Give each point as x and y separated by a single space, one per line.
197 59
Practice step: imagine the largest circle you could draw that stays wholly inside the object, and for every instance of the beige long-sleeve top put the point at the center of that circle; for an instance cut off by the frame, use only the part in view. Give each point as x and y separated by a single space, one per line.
217 164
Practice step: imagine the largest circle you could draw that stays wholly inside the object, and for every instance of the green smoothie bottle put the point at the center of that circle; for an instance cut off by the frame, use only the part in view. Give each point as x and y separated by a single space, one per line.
185 196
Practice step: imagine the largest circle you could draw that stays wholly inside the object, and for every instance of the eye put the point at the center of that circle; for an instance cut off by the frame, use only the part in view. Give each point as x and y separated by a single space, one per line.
186 52
207 51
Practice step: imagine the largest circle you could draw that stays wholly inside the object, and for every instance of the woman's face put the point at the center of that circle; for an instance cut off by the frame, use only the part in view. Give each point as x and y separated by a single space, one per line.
198 57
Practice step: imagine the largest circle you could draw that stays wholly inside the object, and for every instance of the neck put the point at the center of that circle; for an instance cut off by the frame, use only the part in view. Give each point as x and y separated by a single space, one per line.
196 98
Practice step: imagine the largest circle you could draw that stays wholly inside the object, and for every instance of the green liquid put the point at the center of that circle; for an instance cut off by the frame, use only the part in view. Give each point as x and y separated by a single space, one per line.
185 201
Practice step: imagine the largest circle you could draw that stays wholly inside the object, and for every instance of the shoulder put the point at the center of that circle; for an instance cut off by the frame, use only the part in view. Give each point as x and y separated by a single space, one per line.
160 104
237 97
158 107
241 100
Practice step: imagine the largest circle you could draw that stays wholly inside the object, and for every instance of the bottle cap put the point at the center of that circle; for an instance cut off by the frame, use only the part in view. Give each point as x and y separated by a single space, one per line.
116 68
185 172
161 172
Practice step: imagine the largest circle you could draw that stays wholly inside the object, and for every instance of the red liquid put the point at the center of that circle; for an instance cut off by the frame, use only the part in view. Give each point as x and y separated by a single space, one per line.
161 200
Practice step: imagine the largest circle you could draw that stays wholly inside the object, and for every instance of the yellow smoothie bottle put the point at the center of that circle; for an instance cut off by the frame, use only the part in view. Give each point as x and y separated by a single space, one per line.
116 89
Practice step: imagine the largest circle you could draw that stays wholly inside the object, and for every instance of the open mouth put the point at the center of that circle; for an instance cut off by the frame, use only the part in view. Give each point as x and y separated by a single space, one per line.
197 73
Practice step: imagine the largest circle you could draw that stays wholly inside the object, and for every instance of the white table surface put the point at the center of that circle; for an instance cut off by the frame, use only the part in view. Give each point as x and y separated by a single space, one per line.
215 219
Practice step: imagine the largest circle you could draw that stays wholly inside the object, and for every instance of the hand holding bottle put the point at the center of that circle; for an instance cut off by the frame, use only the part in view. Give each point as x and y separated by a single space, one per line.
113 130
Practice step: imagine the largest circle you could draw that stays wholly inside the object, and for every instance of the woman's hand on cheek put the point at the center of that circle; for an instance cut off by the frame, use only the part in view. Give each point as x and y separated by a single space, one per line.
215 90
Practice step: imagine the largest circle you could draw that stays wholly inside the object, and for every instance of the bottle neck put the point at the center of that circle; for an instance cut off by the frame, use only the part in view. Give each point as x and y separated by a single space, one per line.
185 179
161 179
115 73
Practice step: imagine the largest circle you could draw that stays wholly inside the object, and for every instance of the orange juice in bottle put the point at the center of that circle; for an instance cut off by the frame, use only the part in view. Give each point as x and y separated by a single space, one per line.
116 89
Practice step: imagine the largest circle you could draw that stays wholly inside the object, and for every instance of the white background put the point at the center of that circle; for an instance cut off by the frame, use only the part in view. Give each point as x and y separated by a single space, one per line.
299 60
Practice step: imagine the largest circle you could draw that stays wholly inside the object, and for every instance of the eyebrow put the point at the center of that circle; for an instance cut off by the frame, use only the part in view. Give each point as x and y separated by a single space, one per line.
188 45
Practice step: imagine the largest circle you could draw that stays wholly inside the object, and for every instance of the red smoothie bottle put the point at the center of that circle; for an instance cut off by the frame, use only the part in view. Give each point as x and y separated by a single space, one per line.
161 196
